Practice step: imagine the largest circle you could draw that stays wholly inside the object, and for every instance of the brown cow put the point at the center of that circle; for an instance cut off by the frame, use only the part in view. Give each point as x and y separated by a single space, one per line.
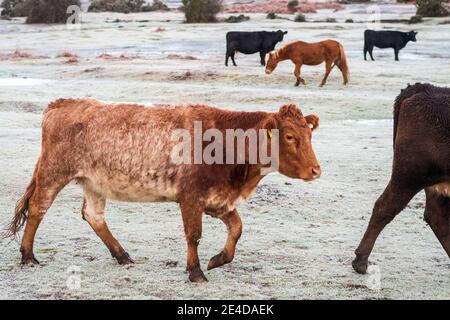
123 152
421 161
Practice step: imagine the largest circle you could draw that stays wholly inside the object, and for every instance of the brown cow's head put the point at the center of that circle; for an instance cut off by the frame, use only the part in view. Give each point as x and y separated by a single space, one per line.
296 155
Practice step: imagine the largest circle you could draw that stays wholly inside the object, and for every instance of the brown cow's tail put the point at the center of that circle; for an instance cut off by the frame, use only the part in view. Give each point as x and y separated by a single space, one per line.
21 210
343 64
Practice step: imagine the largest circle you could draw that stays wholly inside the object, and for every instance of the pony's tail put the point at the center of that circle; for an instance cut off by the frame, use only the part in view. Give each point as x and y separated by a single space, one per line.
21 209
343 64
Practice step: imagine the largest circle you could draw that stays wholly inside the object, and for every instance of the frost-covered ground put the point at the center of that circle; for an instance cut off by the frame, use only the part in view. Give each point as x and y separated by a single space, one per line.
298 238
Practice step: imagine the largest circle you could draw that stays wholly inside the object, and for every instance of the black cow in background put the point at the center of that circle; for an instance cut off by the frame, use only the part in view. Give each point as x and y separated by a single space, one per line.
252 42
386 39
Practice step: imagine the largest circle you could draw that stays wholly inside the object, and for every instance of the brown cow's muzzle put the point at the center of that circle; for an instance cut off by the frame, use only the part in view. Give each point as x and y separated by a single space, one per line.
312 174
316 172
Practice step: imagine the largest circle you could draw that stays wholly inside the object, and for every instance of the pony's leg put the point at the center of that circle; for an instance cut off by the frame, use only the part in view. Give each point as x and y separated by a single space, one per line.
393 200
328 68
234 225
192 221
297 72
437 215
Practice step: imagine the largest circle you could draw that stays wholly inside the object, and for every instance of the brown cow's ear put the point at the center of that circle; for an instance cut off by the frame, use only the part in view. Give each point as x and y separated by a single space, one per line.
313 121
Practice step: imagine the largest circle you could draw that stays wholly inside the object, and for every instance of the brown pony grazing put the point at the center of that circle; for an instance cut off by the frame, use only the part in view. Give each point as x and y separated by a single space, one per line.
312 54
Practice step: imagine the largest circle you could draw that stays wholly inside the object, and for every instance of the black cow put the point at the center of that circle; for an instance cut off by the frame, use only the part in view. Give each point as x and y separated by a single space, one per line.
386 39
252 42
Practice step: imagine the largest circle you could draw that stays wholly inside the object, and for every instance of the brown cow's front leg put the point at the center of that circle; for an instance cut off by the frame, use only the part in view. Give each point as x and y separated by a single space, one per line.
234 225
393 200
192 221
437 215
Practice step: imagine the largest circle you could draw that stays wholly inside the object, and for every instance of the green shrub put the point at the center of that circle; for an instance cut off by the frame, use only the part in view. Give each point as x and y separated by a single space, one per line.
13 8
352 1
349 20
300 17
201 10
271 15
416 19
431 8
123 6
330 20
157 5
48 11
236 19
292 5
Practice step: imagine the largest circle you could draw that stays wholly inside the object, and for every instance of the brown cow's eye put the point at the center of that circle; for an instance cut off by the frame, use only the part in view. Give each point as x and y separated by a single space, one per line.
289 137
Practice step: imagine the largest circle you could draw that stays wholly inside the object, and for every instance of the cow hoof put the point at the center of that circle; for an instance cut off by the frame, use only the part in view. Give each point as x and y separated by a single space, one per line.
197 277
29 261
124 259
217 261
360 266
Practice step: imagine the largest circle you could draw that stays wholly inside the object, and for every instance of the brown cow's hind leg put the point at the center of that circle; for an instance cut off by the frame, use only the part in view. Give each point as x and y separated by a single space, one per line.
234 225
39 203
393 200
93 213
437 215
192 221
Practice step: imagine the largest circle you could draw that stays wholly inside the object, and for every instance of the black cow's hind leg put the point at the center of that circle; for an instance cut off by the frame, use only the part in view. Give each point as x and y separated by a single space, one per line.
396 51
227 56
365 51
371 53
232 58
437 215
393 200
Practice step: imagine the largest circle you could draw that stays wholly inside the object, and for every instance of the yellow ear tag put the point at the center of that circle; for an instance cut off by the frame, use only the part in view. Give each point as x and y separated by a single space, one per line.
269 133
